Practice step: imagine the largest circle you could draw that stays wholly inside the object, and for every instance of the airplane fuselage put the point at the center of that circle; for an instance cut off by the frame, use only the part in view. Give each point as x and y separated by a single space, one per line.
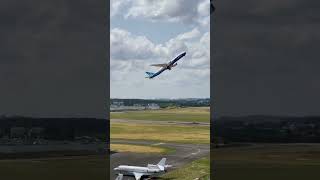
167 66
139 172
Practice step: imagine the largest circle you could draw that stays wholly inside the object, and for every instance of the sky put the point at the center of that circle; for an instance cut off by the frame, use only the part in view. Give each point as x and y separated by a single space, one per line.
264 52
144 32
266 57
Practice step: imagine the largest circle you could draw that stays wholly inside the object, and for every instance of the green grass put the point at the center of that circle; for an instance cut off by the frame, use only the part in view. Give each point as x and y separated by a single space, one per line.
84 168
176 114
196 169
161 133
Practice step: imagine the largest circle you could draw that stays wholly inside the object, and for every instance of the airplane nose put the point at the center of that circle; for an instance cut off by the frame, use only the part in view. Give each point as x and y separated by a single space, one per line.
116 169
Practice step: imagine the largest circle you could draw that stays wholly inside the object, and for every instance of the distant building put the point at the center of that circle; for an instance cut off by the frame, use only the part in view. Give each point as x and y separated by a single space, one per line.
119 106
117 103
153 106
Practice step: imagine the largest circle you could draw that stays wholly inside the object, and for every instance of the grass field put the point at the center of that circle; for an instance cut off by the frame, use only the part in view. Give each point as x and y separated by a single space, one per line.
162 133
192 114
139 149
197 169
79 168
177 133
268 161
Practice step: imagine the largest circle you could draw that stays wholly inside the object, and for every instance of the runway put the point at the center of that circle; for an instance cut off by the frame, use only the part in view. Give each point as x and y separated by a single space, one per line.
184 153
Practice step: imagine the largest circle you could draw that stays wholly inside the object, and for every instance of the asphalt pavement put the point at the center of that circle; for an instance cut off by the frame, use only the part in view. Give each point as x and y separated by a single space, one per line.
183 154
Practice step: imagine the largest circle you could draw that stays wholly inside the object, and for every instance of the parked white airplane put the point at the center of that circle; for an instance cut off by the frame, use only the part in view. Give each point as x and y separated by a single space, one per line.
138 172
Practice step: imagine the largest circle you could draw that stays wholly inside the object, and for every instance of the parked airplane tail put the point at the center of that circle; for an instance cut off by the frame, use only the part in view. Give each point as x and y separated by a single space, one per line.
150 74
162 163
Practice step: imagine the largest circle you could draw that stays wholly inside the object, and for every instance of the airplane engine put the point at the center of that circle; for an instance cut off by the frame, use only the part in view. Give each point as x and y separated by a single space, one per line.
175 64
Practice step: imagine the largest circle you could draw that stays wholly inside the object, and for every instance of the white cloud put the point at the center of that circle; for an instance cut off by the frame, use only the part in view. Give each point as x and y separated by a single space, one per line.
185 11
117 5
124 45
131 56
189 35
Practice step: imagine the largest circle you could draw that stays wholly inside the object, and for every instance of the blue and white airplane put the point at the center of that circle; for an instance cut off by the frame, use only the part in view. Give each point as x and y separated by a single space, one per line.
165 66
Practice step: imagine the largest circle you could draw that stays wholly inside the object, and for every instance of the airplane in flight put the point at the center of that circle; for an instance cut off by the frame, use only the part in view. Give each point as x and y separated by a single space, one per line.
138 172
166 66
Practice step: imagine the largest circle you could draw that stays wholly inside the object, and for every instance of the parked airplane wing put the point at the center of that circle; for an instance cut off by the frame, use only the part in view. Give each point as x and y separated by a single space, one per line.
159 65
137 175
120 177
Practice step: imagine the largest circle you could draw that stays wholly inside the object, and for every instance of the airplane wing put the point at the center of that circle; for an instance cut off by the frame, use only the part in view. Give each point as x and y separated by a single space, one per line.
120 177
159 65
137 175
164 66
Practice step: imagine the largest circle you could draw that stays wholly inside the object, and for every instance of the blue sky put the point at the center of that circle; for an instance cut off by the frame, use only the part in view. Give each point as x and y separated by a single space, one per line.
145 32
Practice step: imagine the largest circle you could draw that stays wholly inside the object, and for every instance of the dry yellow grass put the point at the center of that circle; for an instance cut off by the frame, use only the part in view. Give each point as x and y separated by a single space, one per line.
136 148
175 110
169 137
163 133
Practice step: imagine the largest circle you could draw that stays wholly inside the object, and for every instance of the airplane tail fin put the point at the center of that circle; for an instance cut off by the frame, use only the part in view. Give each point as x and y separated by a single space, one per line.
161 164
149 74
